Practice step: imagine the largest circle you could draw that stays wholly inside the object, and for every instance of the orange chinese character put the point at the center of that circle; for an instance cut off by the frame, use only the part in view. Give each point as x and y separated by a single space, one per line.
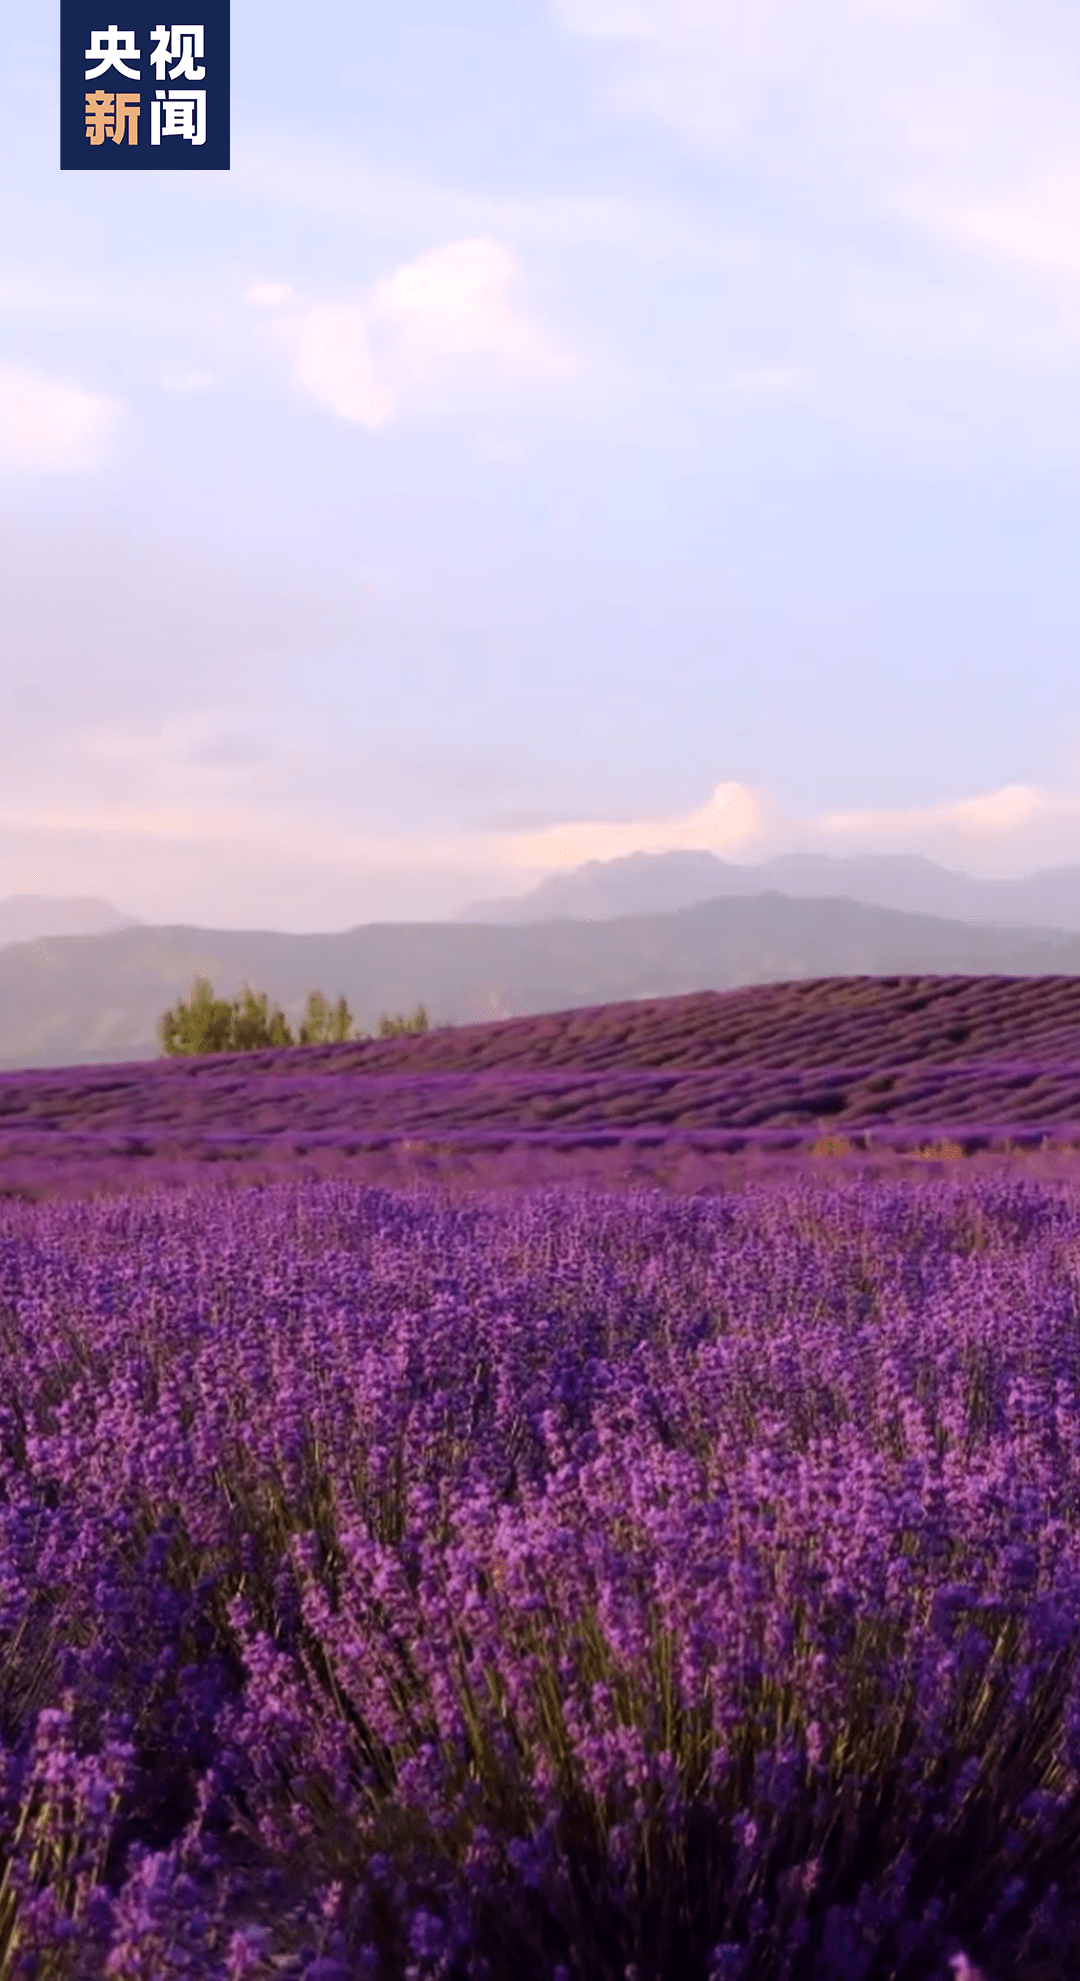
127 119
100 109
112 117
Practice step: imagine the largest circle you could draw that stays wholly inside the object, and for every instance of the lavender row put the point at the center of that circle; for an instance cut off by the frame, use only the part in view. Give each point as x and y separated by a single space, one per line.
120 1122
551 1587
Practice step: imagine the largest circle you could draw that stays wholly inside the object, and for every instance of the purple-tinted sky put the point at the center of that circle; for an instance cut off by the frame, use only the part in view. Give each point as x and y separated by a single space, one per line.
569 428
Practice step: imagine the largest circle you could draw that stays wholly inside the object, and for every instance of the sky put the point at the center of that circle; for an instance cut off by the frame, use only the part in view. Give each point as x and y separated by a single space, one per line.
572 427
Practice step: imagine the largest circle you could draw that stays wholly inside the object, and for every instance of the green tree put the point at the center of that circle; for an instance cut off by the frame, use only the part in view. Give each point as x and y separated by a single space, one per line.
395 1025
324 1023
203 1024
256 1025
218 1024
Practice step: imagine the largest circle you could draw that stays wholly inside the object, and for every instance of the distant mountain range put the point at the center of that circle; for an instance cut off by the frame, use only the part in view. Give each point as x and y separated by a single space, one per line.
23 917
656 883
92 998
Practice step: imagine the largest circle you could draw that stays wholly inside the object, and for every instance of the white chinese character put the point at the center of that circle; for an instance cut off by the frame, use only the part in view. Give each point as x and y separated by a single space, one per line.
187 43
184 115
112 48
159 60
180 45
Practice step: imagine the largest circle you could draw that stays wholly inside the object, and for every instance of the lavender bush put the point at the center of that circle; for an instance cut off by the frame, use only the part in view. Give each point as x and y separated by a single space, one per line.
551 1587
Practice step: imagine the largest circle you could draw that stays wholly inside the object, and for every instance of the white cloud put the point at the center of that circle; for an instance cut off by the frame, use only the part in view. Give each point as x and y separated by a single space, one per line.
732 818
462 302
226 857
1014 829
1011 830
992 814
934 77
725 73
228 861
334 363
269 295
228 871
1034 229
959 116
452 318
48 426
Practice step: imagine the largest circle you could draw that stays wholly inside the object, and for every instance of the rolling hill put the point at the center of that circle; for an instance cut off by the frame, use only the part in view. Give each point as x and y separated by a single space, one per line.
656 1091
89 999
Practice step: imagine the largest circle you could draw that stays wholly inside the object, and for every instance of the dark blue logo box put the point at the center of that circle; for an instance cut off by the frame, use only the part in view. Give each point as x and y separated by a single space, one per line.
142 93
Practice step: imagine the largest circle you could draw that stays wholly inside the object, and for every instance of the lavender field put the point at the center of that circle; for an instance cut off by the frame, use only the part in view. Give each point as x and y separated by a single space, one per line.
667 1092
643 1542
550 1585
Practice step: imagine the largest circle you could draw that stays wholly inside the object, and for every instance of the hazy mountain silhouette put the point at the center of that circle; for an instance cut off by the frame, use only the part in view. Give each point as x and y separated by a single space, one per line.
656 883
65 1000
24 917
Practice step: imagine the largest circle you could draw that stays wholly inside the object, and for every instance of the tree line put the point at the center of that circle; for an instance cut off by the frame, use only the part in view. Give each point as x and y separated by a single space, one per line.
249 1022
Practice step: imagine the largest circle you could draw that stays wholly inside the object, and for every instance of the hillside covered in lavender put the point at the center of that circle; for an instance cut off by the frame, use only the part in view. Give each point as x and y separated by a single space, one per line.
656 1091
95 998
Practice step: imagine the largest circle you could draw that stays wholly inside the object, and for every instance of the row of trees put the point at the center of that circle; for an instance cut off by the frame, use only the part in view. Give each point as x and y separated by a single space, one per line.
248 1022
